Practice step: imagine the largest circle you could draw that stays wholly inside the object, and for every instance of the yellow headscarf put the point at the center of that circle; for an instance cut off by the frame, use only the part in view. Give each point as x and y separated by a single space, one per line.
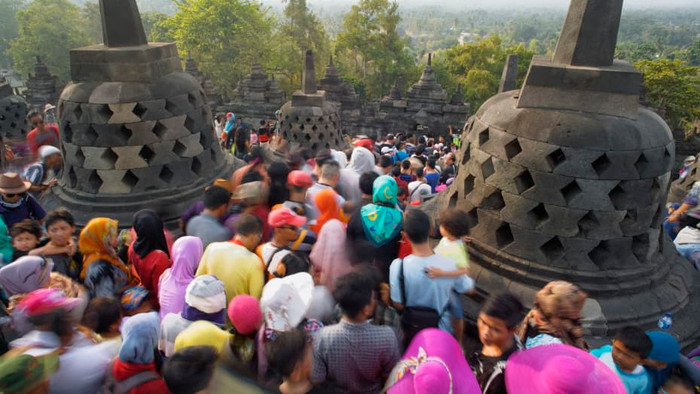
96 242
202 333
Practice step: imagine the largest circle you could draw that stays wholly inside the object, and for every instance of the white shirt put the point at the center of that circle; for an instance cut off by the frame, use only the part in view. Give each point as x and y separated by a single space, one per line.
267 250
416 189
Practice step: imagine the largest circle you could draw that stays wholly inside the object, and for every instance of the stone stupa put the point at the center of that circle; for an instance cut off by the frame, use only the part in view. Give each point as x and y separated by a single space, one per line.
566 179
136 130
309 120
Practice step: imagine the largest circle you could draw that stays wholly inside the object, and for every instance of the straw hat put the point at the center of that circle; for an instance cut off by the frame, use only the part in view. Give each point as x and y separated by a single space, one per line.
11 183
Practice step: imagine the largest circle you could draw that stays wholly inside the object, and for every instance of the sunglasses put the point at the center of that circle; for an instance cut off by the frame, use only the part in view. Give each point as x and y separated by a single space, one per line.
13 195
293 228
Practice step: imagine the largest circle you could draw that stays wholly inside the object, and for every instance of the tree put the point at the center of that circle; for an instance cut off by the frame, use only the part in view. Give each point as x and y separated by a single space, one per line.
224 36
93 21
478 67
673 85
50 29
369 49
154 24
299 31
8 27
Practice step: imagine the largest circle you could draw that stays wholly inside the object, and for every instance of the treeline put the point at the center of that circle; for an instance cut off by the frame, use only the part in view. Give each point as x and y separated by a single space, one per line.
374 44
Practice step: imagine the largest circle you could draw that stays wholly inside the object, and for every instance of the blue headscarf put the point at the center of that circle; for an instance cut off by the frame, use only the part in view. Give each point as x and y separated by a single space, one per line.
230 123
140 336
382 221
664 348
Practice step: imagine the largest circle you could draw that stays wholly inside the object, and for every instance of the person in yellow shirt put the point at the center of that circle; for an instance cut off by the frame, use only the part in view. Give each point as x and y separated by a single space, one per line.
234 262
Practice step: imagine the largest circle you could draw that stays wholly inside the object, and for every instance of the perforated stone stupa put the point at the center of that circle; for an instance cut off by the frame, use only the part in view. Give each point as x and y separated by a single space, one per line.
567 178
13 114
256 97
309 119
136 130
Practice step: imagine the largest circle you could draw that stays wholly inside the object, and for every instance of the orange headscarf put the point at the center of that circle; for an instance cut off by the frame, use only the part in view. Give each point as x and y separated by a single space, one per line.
327 203
96 242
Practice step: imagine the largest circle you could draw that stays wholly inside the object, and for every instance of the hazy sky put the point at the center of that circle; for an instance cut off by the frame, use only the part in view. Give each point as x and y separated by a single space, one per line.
514 3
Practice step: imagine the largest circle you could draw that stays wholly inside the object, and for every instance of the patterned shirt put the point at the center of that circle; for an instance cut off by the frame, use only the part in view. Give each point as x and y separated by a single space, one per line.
354 358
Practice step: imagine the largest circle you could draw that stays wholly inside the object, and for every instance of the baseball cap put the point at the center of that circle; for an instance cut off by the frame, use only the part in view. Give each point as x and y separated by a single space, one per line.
285 217
299 179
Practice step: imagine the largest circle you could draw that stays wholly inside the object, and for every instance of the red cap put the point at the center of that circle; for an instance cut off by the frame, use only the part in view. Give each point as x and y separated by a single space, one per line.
44 301
285 217
365 143
299 179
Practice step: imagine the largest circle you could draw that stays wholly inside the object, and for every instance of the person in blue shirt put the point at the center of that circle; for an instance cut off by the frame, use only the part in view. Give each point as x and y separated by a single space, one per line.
432 177
420 290
630 347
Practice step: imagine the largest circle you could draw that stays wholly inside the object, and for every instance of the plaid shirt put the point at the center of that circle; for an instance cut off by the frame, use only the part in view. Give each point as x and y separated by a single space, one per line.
354 358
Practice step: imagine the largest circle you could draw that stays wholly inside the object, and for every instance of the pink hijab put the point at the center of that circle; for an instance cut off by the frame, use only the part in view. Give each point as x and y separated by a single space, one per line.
329 254
186 253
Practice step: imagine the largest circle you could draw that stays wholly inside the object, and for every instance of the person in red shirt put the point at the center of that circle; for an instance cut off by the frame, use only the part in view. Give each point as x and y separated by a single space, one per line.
149 254
41 134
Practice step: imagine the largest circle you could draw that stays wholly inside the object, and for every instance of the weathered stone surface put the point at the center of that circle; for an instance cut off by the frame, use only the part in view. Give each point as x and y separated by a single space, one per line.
510 73
121 23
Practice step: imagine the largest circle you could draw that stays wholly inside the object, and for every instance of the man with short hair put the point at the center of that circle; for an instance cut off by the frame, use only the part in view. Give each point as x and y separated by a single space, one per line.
384 165
410 285
450 168
234 263
354 356
286 225
298 182
191 370
418 188
41 134
207 225
498 319
328 179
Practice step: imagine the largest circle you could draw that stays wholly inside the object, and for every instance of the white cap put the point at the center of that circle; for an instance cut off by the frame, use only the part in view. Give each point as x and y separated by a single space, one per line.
49 107
48 150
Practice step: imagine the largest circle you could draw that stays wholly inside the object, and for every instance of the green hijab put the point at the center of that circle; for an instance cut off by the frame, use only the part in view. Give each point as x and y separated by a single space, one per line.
6 249
382 220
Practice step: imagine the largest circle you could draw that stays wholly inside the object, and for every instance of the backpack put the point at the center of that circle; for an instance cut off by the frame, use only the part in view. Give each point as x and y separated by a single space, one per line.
415 318
112 386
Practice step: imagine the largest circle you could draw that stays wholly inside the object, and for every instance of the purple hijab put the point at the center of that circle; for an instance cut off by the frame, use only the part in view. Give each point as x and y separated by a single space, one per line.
25 275
187 251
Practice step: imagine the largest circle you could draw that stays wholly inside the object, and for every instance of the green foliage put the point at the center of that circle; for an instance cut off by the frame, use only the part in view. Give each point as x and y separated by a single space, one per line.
93 21
300 30
224 36
369 49
50 29
8 27
673 86
694 53
478 67
154 24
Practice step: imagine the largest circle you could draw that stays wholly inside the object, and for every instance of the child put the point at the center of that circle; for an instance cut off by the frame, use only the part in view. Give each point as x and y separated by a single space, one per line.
629 347
61 247
453 227
25 237
290 355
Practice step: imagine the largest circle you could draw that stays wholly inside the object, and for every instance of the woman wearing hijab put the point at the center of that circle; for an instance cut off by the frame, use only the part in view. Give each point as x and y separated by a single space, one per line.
205 299
148 254
374 231
25 275
328 254
555 317
187 251
137 355
361 161
6 249
103 273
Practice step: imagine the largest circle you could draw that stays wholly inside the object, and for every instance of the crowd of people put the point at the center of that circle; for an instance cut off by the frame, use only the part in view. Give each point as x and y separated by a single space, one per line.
307 275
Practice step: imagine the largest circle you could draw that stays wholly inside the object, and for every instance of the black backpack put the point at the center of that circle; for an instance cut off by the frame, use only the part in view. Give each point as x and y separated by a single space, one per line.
415 318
